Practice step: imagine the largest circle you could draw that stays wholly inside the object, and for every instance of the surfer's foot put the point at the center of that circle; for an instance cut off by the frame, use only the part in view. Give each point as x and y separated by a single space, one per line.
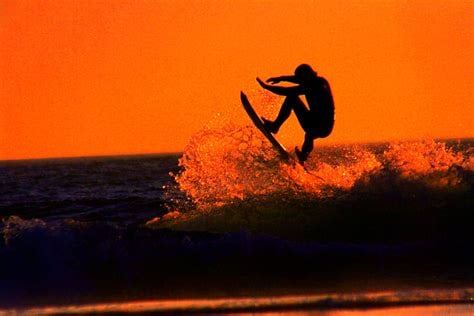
270 126
301 155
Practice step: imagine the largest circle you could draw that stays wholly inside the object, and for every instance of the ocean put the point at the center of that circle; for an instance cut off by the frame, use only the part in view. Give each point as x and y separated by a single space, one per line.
228 219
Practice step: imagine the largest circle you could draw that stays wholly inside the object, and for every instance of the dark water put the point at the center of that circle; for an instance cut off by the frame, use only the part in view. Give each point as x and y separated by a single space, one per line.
121 190
75 230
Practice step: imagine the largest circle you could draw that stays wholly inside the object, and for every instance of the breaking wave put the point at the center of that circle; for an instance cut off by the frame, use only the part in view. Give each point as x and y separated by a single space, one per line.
235 180
235 162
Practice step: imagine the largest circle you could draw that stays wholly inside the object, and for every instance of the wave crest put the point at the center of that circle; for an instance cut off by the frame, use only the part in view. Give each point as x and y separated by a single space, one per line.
221 165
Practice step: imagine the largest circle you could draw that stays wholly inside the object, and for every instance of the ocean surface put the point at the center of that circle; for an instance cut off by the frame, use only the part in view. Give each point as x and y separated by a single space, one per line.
227 218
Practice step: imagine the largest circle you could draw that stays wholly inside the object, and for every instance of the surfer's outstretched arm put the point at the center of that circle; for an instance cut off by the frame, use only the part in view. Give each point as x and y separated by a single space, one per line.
274 80
281 90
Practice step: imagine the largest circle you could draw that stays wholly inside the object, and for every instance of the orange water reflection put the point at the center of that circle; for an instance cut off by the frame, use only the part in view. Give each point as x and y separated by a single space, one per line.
436 310
430 302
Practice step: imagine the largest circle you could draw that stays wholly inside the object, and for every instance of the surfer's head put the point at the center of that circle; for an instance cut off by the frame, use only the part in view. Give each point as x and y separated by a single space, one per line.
304 73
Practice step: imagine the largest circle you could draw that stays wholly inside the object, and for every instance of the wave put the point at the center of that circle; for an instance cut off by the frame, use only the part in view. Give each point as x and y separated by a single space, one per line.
70 261
235 180
234 162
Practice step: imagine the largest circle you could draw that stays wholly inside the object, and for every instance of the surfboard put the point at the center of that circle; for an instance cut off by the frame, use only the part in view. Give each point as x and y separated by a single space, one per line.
259 124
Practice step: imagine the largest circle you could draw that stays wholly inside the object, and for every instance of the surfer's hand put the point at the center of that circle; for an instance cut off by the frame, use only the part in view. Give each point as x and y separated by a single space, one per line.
263 84
273 80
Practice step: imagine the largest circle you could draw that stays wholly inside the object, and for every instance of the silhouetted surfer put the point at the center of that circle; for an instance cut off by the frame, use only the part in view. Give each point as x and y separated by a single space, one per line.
318 120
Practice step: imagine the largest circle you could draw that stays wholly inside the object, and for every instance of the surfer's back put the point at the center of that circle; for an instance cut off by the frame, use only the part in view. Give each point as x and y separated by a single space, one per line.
319 98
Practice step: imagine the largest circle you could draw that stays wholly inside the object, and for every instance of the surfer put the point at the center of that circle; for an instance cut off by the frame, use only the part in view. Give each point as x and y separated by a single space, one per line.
318 120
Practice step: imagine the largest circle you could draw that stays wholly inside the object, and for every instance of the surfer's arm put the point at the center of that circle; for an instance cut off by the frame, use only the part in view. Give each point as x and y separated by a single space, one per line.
291 79
281 90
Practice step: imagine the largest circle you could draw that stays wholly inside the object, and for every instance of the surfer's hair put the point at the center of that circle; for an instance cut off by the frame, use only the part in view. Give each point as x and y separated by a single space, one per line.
304 72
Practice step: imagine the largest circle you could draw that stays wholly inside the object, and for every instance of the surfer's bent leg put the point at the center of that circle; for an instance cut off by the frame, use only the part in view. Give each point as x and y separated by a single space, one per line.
292 102
307 147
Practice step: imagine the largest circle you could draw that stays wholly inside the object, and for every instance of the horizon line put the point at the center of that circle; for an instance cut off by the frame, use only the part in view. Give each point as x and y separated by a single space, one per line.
170 153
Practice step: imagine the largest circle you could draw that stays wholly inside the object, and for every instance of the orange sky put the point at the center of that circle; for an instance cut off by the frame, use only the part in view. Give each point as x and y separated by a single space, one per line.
120 77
